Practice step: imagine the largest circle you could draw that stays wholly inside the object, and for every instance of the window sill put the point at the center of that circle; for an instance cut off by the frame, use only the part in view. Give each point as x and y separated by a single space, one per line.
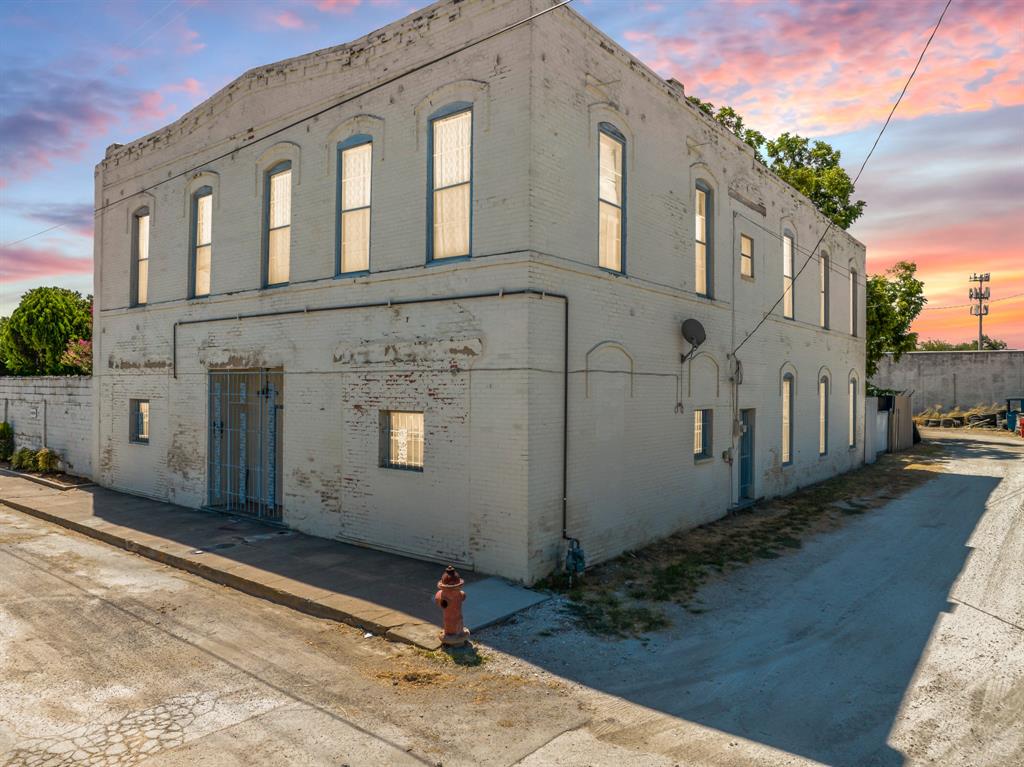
351 275
747 277
138 442
787 465
413 469
699 460
613 272
431 261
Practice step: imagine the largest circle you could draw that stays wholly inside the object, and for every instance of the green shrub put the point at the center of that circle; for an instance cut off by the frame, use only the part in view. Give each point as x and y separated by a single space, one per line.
6 441
47 461
23 459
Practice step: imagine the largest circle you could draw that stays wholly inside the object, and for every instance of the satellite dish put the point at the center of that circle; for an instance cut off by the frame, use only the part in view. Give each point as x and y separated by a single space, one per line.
693 332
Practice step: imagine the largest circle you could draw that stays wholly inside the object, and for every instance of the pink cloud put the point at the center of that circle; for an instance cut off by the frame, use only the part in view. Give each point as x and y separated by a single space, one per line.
289 20
20 262
337 6
189 42
832 67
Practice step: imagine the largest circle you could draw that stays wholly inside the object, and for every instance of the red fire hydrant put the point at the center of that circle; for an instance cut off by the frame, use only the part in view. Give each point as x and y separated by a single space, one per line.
449 598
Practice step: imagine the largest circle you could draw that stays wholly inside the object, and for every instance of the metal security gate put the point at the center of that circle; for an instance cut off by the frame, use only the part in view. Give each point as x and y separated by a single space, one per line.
246 416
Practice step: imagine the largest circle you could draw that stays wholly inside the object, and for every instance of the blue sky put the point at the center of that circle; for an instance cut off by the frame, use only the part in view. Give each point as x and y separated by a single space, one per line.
946 187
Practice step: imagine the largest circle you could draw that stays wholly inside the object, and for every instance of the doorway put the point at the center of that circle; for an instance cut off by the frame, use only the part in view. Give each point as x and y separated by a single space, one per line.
747 455
246 417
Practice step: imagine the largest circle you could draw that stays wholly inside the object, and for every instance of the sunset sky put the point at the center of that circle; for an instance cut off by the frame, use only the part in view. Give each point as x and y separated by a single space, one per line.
945 187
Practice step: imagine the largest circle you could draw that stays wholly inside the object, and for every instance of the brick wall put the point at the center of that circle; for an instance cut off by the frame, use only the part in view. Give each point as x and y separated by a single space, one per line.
487 373
52 411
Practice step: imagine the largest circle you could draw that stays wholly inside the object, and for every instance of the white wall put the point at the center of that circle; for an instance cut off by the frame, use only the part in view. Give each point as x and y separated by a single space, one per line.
491 492
54 412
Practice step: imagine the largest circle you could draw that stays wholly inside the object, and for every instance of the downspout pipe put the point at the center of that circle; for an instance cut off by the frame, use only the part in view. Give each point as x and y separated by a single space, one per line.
412 302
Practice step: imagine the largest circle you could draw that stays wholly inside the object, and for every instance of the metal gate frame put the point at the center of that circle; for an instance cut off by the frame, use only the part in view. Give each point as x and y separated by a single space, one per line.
244 447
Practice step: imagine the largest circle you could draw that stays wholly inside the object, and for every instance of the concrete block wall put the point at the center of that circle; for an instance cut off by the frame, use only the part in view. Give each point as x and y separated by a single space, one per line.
954 379
54 412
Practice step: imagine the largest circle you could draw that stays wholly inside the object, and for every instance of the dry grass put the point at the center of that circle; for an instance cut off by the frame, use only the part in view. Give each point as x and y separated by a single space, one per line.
621 597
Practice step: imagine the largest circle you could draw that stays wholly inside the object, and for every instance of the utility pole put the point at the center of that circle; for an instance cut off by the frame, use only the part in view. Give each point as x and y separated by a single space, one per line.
981 295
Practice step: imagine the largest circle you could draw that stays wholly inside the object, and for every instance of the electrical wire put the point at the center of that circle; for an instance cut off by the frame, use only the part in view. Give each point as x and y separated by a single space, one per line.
855 179
964 306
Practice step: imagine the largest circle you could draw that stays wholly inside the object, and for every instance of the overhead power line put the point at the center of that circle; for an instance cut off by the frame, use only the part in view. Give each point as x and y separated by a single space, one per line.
964 306
856 178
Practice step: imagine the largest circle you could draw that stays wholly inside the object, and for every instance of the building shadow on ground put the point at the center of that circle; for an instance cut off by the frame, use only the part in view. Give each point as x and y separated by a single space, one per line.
813 653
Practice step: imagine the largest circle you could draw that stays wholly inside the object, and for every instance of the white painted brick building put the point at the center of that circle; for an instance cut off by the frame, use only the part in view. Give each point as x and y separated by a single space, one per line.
476 344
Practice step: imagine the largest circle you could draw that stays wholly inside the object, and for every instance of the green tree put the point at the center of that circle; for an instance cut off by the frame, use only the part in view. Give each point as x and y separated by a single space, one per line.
37 333
894 300
814 170
937 345
811 169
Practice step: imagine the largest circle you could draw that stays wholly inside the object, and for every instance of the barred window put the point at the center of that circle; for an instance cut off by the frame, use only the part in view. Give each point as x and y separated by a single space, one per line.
401 440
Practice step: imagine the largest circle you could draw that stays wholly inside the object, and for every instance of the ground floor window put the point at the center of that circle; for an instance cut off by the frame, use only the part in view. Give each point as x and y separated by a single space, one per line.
401 440
702 434
139 416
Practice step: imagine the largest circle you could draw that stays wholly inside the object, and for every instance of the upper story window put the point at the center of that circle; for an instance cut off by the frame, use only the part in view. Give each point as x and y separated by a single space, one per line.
451 175
140 257
823 282
202 241
853 302
703 207
746 256
787 418
278 224
787 275
853 412
823 415
611 198
355 161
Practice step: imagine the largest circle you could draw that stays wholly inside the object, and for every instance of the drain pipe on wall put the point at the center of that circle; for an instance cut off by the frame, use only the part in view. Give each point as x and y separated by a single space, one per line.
575 552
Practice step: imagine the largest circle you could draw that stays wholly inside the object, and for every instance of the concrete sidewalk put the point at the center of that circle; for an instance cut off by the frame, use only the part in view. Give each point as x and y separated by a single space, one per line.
383 593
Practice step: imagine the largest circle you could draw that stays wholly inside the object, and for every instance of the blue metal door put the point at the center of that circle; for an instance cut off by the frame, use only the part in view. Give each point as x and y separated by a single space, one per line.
747 455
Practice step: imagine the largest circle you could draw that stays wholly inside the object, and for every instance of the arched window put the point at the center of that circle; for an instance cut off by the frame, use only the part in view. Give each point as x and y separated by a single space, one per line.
611 194
277 224
704 238
823 384
787 274
140 257
823 282
853 301
853 411
201 252
450 171
788 383
355 163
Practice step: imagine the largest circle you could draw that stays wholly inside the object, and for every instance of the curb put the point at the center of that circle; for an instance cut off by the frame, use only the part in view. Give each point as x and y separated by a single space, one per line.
422 635
50 483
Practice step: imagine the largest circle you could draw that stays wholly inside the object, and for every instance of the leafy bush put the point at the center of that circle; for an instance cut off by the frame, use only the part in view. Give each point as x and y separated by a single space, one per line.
36 335
6 441
47 461
23 459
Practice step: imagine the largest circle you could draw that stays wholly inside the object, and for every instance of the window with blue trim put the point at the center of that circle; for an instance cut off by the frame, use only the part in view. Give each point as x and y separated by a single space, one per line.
611 198
702 432
787 419
704 239
138 429
823 384
355 162
140 257
787 275
278 224
451 181
202 241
